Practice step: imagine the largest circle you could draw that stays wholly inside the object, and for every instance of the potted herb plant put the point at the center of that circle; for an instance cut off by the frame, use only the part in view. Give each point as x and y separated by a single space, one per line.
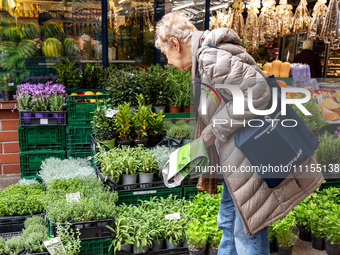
142 236
155 124
110 163
129 164
271 239
2 245
303 213
175 103
196 237
15 246
285 234
103 125
333 236
214 241
7 90
123 124
123 235
174 234
148 166
57 102
140 121
318 227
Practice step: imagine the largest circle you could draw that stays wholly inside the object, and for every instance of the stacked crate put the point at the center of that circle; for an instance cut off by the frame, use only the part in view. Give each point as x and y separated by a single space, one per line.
37 143
80 110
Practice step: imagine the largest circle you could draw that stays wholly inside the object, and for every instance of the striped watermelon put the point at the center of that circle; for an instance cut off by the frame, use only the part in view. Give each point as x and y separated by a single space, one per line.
52 47
28 48
12 34
30 31
8 48
52 30
71 47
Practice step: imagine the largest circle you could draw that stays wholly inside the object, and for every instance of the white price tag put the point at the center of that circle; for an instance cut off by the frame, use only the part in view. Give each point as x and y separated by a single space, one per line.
173 216
11 84
54 246
72 197
320 99
43 121
110 113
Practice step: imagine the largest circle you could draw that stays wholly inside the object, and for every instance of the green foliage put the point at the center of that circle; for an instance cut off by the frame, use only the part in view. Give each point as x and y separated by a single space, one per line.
180 86
123 233
40 104
95 203
55 168
314 122
159 89
141 117
179 131
104 128
21 200
284 230
5 79
25 182
333 224
68 74
14 246
92 75
69 238
155 123
123 122
34 220
2 245
162 155
196 235
303 214
35 242
328 151
57 102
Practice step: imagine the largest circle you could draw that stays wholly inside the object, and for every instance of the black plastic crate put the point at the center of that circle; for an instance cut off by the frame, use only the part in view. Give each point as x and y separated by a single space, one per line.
89 229
28 118
157 183
10 224
9 235
170 142
178 251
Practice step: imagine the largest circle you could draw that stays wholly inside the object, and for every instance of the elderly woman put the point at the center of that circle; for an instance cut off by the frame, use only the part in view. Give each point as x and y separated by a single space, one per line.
248 205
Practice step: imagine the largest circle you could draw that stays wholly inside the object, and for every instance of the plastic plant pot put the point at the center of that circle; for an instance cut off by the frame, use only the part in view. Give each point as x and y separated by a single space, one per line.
212 251
159 108
305 235
109 143
126 247
318 243
59 117
129 179
332 249
170 245
121 143
140 249
146 178
27 117
174 109
157 244
7 95
284 251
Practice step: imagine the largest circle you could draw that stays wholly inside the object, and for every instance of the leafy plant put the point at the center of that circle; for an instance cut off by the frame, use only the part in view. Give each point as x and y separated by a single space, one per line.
328 151
123 233
162 155
303 214
123 122
68 74
55 168
35 242
14 246
103 126
140 118
2 245
332 221
148 163
5 79
196 235
25 182
158 85
215 238
155 123
179 131
34 220
284 230
69 238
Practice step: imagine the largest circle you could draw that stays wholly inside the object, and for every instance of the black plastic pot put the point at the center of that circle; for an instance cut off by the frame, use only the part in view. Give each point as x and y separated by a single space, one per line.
305 235
7 95
193 251
212 251
272 246
157 245
284 251
318 243
127 143
332 249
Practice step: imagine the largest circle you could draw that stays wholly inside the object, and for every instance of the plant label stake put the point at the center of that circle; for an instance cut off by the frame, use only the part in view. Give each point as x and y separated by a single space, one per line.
72 197
173 216
54 246
43 121
11 84
110 113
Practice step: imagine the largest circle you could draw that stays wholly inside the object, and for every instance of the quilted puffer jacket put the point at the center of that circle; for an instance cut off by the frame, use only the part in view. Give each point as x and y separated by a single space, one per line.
257 204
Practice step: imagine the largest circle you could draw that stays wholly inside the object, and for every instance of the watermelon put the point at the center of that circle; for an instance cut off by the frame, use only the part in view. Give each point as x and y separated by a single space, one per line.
8 48
52 47
71 47
30 31
12 34
28 48
52 30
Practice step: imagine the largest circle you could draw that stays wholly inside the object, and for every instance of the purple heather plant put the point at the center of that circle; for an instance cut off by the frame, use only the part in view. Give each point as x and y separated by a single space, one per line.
41 97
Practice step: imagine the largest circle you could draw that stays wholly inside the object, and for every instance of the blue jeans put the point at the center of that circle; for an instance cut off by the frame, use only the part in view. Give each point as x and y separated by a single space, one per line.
234 241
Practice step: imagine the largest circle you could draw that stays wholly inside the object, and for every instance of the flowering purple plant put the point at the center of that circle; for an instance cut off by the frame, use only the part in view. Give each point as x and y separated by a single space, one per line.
41 96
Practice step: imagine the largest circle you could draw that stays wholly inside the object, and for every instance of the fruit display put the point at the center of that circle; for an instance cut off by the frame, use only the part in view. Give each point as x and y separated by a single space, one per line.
284 17
12 34
252 26
28 48
30 31
52 47
267 21
319 13
52 30
301 18
87 93
71 47
330 29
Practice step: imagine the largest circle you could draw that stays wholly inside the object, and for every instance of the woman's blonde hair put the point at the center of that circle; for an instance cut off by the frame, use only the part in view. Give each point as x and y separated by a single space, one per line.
174 24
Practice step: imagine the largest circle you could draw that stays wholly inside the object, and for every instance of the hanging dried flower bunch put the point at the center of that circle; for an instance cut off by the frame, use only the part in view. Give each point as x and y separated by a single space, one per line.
301 18
252 26
330 29
267 21
318 17
237 23
284 16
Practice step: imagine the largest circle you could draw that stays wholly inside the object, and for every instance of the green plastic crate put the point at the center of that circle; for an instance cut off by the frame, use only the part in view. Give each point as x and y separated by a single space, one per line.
134 197
180 115
42 138
190 192
78 138
79 154
30 162
79 108
330 183
96 247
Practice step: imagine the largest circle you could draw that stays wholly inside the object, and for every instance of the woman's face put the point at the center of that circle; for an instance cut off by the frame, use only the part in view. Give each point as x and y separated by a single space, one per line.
178 55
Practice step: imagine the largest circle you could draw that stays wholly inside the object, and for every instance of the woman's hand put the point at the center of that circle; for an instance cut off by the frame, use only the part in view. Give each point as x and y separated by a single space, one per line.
208 136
